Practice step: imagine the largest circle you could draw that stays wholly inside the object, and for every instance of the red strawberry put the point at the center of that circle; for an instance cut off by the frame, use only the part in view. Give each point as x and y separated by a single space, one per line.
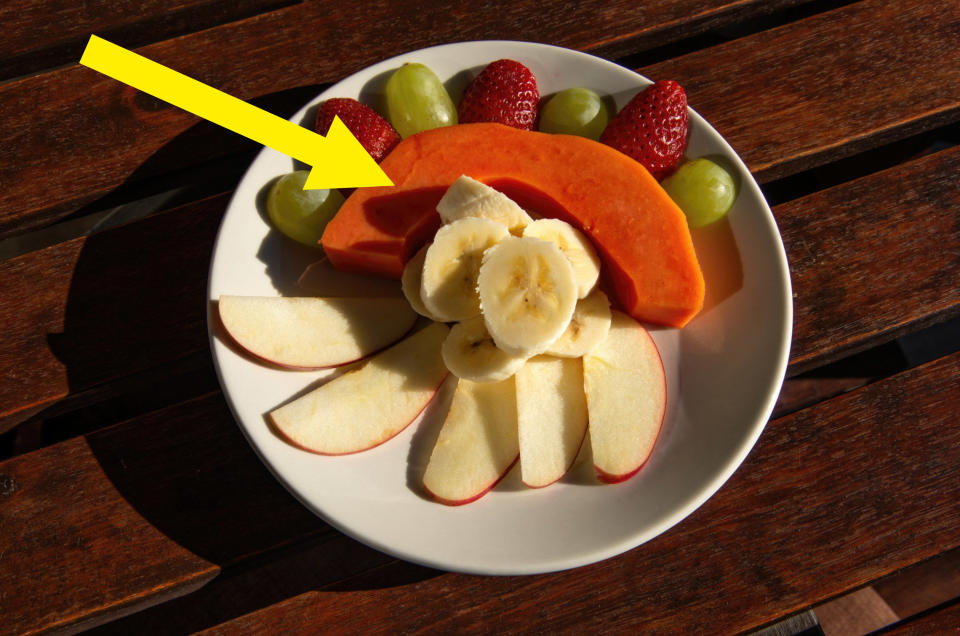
652 128
504 92
373 132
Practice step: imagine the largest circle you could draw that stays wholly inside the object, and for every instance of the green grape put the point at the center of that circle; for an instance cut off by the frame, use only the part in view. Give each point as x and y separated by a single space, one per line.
417 100
301 214
575 111
704 190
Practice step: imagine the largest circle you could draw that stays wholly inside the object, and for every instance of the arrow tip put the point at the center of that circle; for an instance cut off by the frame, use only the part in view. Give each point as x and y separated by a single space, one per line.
342 162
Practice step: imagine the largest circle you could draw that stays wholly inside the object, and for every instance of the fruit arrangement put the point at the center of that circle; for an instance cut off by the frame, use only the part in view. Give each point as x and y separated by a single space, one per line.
510 241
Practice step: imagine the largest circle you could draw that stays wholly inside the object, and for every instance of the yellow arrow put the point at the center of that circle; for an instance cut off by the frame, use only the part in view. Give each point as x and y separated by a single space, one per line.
338 160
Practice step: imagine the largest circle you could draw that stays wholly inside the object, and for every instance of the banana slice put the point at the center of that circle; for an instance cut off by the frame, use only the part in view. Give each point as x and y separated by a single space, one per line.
588 327
527 294
448 286
471 354
575 246
411 282
468 197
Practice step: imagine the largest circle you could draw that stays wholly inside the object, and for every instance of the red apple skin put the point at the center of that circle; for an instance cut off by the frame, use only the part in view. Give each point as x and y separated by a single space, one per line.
608 478
291 367
284 437
238 347
243 350
461 502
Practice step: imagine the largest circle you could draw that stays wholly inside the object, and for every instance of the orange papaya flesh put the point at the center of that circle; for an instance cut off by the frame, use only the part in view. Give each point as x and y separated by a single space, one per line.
649 264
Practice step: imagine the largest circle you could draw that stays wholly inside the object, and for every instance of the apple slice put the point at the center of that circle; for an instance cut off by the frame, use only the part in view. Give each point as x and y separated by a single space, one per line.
311 333
626 398
370 404
477 444
551 417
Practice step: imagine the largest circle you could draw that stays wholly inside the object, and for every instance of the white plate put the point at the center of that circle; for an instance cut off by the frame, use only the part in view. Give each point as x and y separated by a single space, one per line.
724 371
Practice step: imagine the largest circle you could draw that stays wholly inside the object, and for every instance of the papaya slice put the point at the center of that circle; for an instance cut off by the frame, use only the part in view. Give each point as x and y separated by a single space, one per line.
649 265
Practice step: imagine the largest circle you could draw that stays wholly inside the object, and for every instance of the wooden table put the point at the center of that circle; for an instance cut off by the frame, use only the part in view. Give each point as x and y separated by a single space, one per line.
129 498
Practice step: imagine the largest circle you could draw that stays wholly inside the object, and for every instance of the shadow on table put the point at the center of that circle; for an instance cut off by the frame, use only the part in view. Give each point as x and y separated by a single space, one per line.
134 342
137 298
186 469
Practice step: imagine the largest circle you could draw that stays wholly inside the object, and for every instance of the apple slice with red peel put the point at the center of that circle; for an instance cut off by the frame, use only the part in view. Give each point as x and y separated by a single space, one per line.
551 417
477 444
370 404
626 398
312 333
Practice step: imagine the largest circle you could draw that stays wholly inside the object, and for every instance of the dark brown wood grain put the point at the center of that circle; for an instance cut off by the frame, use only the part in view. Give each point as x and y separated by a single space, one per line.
329 560
115 134
93 309
74 549
827 87
873 258
40 34
38 288
819 508
96 527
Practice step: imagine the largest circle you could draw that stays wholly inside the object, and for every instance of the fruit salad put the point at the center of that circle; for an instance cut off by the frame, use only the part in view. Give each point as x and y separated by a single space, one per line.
522 275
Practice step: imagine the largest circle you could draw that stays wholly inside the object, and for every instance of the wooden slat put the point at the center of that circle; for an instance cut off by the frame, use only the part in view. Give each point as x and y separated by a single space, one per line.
332 559
80 292
821 506
827 87
76 547
99 526
115 134
93 309
37 28
873 258
40 34
32 375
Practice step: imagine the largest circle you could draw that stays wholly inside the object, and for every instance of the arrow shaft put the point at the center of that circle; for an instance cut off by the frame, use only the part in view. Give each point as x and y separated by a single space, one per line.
200 99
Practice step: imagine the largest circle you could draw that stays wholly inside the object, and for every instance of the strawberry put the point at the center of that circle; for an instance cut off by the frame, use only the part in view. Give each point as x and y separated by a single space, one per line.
652 128
505 92
373 132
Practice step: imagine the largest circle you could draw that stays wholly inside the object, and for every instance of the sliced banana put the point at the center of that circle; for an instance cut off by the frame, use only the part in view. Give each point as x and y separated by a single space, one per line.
576 247
588 327
410 283
471 354
448 286
527 292
468 197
